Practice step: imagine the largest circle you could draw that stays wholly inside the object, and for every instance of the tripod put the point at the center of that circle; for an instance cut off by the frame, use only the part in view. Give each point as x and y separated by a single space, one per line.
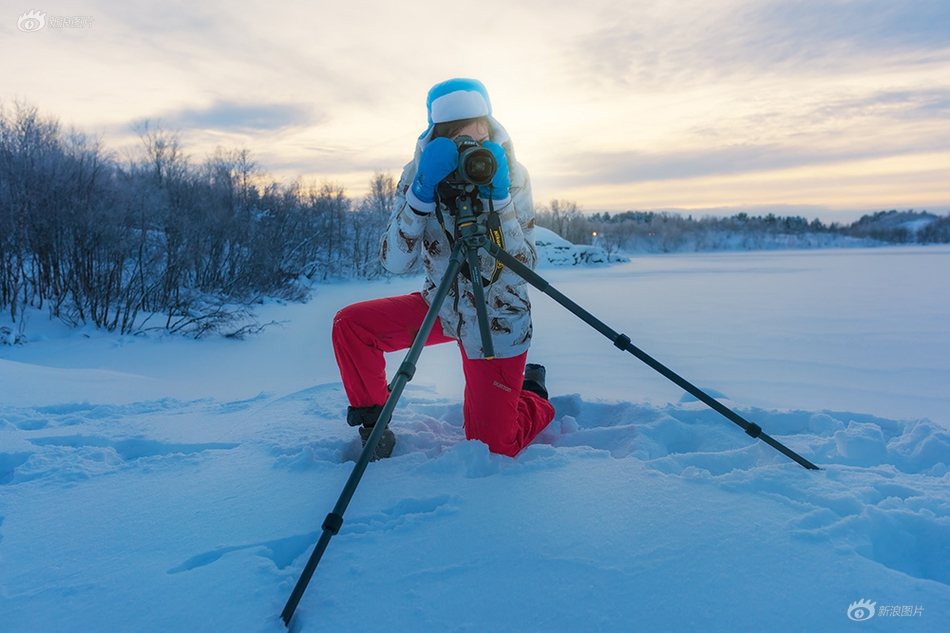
471 235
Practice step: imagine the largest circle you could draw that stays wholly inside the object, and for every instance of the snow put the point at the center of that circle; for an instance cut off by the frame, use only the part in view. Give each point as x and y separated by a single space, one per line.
165 484
554 250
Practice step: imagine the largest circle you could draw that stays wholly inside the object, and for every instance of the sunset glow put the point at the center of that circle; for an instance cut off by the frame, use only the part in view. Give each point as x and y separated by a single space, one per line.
821 108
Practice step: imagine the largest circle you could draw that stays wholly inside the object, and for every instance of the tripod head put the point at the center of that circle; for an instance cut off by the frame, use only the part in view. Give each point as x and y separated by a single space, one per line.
459 199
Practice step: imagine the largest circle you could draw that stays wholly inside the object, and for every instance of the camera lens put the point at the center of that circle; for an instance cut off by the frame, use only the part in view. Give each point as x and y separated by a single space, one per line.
478 166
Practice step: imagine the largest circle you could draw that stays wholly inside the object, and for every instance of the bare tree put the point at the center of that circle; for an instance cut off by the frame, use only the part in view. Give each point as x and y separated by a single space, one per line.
369 222
565 218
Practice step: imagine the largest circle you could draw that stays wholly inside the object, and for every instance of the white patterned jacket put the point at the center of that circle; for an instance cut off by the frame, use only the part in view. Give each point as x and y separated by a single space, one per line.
410 235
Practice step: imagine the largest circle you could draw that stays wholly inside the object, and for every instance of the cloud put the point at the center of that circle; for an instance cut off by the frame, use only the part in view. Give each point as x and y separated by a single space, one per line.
828 131
328 161
821 27
646 46
886 107
611 168
640 89
231 116
608 168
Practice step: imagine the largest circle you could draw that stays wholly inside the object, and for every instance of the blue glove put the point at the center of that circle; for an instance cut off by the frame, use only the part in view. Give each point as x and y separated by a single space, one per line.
439 159
500 183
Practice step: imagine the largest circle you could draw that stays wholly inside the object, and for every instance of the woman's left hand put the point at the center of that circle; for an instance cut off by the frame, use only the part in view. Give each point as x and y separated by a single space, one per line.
498 190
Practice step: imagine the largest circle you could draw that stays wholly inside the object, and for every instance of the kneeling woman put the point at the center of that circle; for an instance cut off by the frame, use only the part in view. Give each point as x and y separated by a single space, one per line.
506 402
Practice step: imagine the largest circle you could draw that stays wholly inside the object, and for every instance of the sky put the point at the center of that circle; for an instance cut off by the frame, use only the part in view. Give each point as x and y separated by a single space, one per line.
823 108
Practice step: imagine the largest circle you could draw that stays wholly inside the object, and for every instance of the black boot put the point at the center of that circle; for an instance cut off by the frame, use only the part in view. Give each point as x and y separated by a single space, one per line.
534 379
385 446
365 418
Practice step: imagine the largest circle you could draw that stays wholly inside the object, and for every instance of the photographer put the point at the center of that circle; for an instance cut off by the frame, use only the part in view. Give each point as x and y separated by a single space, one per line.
505 401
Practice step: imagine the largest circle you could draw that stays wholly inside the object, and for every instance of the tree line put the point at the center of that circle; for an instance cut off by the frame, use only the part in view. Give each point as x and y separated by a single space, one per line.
649 231
156 240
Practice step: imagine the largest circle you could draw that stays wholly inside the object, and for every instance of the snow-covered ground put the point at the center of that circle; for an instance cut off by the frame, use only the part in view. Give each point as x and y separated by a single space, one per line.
163 484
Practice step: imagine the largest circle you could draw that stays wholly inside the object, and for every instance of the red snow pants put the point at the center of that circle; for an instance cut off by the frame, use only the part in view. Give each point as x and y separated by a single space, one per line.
496 410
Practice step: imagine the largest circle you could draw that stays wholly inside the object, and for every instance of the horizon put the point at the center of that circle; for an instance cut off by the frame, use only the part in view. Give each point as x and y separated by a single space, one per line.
827 111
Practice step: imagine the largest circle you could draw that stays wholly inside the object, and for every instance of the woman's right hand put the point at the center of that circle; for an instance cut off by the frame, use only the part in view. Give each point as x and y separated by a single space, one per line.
439 159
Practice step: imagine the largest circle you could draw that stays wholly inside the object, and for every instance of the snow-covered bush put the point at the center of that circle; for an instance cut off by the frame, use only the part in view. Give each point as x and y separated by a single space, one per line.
117 244
554 250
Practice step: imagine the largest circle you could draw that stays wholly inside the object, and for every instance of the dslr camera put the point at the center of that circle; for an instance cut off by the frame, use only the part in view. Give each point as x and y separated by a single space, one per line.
477 165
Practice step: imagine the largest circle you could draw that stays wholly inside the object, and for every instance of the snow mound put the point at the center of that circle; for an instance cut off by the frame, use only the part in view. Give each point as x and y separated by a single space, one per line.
228 497
554 250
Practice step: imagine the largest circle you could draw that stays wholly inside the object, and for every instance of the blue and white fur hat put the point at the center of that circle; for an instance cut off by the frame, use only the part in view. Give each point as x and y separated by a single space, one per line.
460 99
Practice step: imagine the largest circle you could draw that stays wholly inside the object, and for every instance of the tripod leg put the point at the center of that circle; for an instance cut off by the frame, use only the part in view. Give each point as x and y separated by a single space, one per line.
622 341
488 347
334 520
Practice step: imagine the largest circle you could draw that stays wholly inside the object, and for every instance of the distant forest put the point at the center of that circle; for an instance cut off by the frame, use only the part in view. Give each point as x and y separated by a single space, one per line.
156 241
652 232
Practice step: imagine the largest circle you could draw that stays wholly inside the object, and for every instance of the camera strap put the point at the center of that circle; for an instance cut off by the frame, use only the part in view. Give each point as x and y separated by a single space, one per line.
497 236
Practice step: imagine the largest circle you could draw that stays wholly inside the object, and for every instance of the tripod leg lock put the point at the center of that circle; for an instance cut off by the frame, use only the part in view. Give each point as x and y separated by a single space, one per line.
753 430
408 370
622 341
333 523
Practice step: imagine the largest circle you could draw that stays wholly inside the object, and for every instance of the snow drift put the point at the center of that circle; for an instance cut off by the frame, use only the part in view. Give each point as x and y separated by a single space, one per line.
163 484
554 250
